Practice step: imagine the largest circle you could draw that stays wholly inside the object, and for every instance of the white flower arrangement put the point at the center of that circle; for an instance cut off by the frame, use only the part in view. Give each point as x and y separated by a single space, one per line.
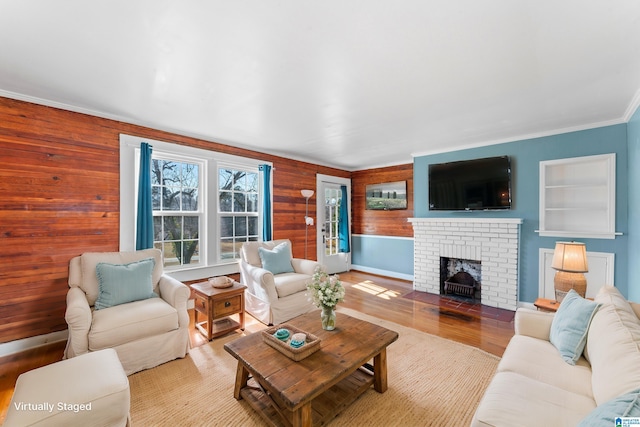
326 291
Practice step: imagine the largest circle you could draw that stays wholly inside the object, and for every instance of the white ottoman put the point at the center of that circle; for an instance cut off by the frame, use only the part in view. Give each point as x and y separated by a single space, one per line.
87 390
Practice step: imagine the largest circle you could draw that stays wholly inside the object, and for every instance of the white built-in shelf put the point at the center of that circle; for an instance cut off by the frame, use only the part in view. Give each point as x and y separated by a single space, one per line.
578 197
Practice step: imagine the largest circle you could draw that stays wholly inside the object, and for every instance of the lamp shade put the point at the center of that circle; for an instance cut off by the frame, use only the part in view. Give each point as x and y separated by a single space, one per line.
570 257
306 193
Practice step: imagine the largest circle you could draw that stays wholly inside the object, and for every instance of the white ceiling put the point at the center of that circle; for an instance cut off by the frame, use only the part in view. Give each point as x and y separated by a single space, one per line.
353 84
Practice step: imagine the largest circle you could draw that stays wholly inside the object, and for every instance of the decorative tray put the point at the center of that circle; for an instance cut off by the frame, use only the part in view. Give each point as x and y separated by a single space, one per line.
310 346
221 282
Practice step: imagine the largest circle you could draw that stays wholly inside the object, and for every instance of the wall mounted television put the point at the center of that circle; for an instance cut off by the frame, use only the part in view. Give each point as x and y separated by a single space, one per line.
467 185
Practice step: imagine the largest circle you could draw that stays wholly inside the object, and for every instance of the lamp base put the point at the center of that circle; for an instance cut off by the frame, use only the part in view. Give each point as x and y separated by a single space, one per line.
564 281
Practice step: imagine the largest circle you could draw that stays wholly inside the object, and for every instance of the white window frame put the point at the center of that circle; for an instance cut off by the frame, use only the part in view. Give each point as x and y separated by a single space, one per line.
239 167
210 264
202 202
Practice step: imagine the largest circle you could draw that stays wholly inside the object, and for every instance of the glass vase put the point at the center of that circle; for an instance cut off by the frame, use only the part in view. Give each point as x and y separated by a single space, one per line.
328 316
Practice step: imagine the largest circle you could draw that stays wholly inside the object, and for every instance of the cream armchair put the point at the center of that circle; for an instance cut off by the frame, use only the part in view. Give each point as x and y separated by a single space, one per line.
146 332
275 298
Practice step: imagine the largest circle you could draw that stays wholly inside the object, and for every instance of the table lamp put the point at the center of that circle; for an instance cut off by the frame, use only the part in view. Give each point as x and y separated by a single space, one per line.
570 261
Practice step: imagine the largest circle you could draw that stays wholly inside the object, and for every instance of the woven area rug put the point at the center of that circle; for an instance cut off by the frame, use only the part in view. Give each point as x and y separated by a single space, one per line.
432 381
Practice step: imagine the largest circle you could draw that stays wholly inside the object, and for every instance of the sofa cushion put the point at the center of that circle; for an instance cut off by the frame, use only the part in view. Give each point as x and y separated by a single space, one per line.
625 406
291 283
538 359
613 346
124 323
123 283
570 325
278 259
513 399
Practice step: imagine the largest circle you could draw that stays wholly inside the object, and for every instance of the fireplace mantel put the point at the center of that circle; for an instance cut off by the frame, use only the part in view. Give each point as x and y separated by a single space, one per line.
493 241
469 220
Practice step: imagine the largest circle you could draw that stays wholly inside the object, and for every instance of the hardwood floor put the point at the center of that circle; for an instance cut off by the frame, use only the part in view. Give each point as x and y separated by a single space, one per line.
378 296
385 298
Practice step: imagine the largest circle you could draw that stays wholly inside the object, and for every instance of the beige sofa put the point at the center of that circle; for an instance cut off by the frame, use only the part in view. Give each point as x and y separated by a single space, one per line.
275 298
534 386
144 333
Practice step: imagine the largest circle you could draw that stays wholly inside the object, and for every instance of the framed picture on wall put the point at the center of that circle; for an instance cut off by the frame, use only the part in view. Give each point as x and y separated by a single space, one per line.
387 196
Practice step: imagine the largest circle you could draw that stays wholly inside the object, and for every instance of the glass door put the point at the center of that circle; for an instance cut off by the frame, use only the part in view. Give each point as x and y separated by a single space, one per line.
328 220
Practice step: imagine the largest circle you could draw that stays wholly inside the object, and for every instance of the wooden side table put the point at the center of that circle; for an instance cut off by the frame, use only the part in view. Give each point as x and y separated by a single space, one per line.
217 305
547 304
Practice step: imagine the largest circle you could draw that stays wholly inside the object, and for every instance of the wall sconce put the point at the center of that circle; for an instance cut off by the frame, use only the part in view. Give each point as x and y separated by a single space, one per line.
307 219
570 259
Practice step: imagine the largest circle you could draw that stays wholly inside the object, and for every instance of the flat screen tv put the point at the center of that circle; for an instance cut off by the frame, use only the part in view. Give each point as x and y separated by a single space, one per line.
478 184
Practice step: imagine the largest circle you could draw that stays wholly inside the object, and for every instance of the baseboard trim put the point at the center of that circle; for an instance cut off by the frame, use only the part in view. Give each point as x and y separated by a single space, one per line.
528 305
17 346
379 272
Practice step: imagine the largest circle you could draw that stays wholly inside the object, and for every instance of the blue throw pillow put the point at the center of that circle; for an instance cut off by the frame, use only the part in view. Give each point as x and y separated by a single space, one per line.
277 260
625 406
570 325
123 283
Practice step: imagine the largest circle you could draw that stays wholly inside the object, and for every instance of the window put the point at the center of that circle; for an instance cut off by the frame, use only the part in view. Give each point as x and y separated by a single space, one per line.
205 205
237 209
176 212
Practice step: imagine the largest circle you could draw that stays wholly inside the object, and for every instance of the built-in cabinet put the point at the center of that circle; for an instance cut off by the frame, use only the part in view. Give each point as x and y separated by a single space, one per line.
577 197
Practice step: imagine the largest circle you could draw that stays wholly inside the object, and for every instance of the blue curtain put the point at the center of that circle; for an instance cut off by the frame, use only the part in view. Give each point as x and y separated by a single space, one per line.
343 222
266 202
144 221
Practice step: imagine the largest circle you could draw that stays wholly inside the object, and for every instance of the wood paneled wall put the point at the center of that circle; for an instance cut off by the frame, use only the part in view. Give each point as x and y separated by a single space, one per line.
59 187
382 223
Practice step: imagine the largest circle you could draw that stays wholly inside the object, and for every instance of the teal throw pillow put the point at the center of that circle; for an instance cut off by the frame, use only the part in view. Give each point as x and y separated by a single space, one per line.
570 325
123 283
277 260
625 406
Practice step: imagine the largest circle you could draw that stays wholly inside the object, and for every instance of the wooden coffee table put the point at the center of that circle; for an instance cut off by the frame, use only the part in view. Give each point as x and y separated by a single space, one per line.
313 390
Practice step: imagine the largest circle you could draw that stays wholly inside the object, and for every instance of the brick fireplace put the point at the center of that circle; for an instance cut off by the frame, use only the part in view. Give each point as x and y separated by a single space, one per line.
494 242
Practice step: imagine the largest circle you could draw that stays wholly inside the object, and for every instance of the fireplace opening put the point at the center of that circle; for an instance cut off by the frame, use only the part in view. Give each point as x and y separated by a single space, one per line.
460 279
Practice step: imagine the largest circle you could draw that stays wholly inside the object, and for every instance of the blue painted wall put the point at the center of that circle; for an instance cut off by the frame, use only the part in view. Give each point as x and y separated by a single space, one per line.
386 255
525 163
633 138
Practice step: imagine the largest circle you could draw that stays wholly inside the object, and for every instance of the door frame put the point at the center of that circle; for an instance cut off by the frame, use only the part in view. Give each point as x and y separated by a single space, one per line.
329 179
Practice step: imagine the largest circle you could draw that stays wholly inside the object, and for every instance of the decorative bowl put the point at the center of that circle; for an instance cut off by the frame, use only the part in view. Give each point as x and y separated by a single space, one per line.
221 282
